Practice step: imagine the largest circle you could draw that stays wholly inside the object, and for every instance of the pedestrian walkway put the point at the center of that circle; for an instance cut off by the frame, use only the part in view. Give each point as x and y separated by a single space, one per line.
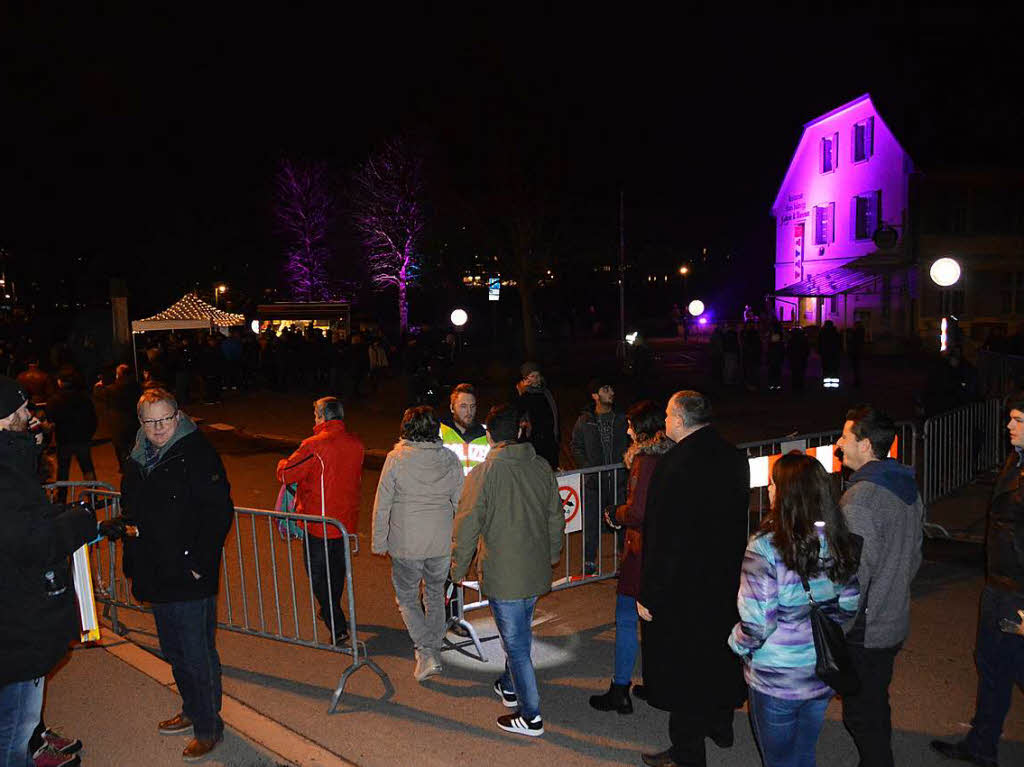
111 695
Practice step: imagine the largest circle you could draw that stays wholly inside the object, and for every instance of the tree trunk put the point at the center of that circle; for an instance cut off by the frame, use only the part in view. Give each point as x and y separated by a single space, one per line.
526 306
403 306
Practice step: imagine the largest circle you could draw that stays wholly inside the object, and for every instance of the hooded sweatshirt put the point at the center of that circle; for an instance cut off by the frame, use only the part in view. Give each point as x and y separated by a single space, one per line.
883 506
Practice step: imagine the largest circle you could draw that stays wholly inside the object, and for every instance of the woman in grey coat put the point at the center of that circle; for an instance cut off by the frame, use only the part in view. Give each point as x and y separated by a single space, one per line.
417 495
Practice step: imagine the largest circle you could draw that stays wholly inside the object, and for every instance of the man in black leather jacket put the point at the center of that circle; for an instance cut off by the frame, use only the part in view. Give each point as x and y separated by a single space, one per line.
1000 646
37 601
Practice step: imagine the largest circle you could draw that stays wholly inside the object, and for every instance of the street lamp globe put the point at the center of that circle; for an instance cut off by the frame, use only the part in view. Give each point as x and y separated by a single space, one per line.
696 308
945 272
459 318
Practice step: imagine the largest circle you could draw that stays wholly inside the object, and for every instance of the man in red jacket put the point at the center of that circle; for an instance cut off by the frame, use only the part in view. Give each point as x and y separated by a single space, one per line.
328 469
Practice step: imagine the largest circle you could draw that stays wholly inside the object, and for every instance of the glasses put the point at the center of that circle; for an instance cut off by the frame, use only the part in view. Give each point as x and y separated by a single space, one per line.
157 422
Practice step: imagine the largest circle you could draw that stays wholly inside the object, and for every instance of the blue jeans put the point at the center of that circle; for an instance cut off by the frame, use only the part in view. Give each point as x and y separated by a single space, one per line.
1000 661
21 705
626 641
787 730
513 618
187 633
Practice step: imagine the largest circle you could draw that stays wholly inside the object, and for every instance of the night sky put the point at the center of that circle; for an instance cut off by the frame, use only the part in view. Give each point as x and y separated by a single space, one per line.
143 144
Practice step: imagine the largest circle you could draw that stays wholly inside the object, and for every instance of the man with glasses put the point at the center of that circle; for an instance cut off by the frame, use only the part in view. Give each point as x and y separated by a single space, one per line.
177 510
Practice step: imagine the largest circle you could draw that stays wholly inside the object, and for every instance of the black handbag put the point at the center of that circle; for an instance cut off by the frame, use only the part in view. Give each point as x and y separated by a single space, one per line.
834 666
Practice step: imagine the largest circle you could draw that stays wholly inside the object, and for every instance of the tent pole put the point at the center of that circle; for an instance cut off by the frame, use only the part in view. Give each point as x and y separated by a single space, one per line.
135 358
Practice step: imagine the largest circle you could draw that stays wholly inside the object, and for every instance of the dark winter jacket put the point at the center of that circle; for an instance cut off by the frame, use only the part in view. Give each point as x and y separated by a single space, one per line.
182 507
40 614
882 506
695 536
641 458
539 404
73 416
1004 542
587 449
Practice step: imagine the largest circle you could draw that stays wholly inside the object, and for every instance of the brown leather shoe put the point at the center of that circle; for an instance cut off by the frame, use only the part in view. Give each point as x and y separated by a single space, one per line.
179 725
197 750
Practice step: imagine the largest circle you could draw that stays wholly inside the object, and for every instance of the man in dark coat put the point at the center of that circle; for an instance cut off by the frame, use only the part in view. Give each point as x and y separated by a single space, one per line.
695 533
40 613
829 346
74 420
123 399
536 401
599 438
177 511
1000 642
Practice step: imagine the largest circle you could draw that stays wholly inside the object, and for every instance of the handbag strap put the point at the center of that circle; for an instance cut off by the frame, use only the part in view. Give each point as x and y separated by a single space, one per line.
807 591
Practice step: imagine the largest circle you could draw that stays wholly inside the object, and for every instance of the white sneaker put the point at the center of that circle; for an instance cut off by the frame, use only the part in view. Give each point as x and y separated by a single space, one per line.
508 699
520 726
427 665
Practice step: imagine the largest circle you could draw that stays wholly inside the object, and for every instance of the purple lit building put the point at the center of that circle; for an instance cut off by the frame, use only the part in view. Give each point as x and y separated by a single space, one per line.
842 223
858 226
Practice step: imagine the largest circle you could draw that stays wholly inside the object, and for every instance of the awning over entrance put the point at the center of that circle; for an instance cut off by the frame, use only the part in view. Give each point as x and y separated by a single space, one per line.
846 278
834 282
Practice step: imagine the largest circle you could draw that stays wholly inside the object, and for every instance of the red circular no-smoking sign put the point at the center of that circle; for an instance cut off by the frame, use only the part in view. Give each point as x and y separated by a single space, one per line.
570 503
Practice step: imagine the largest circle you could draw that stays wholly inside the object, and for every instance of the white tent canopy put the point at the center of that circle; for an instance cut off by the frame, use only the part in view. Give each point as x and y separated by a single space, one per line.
188 313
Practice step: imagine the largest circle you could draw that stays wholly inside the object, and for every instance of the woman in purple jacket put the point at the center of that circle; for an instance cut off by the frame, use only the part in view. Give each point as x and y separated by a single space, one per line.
646 422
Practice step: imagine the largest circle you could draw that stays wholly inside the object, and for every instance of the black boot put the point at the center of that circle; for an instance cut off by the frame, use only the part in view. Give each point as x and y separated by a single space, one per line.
616 699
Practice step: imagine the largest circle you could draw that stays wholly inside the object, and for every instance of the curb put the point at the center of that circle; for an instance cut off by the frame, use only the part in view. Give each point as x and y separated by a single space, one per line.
283 742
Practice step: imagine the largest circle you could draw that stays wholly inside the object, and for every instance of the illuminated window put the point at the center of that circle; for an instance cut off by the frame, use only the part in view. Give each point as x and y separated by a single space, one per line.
824 224
867 215
829 153
863 139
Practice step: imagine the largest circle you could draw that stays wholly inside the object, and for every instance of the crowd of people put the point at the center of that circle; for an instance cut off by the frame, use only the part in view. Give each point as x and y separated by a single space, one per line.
717 617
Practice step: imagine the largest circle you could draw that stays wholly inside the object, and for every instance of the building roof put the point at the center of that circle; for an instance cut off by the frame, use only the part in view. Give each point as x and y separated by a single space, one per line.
813 123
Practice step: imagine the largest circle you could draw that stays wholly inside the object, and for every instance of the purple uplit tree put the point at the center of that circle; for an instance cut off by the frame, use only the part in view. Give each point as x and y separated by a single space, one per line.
304 209
388 211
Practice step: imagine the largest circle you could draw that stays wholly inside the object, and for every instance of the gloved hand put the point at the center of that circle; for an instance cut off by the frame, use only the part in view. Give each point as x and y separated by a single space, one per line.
113 529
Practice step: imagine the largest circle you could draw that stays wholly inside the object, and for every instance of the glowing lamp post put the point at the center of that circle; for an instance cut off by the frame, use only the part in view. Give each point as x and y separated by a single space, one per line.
218 291
459 319
945 272
696 308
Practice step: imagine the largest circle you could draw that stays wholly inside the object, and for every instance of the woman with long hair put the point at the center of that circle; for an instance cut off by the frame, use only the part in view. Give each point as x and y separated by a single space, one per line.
646 427
804 536
413 515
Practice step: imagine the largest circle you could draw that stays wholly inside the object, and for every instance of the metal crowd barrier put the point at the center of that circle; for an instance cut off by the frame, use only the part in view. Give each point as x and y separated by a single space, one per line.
585 493
261 594
961 444
821 445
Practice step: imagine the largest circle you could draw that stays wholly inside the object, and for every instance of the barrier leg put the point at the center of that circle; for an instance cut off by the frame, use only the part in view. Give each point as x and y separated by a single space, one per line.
362 661
460 619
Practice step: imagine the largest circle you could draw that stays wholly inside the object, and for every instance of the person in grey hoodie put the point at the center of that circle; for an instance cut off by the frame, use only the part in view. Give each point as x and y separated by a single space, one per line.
883 506
417 495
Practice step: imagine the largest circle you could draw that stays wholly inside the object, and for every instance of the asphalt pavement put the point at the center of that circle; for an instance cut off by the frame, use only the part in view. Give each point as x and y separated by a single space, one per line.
277 695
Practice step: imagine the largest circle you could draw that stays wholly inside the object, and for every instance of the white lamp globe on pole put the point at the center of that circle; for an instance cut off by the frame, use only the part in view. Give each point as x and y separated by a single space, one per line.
459 318
945 272
696 308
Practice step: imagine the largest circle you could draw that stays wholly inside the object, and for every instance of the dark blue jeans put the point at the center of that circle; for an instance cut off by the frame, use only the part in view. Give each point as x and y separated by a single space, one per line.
1000 660
787 730
514 618
187 633
626 640
21 705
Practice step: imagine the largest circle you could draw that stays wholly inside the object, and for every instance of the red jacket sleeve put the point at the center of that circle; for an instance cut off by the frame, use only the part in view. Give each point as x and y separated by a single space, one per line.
297 466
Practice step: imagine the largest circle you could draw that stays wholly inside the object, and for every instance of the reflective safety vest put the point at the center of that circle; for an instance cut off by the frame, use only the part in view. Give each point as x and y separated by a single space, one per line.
469 453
